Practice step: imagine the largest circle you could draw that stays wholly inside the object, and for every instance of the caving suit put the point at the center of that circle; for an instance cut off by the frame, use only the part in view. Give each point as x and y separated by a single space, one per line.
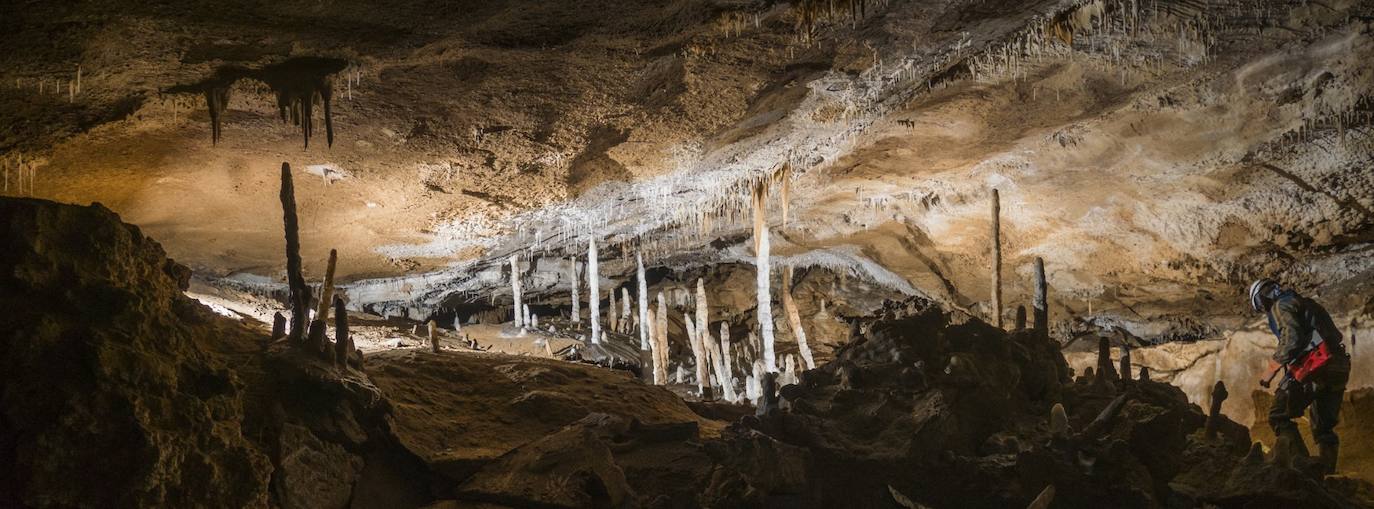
1294 319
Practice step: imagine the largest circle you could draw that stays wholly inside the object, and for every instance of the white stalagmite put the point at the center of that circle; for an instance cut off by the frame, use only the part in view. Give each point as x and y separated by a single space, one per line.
794 319
457 324
576 282
525 319
624 310
593 293
698 355
515 290
612 313
765 301
660 327
644 322
725 371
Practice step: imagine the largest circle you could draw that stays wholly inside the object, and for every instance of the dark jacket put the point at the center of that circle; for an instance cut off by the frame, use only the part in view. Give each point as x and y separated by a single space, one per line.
1294 318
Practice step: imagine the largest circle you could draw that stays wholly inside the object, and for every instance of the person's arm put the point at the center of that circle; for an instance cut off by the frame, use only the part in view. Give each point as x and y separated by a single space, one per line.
1288 316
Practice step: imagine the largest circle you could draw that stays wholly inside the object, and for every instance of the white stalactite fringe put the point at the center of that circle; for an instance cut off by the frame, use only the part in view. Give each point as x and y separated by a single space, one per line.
518 310
765 301
794 319
593 292
644 322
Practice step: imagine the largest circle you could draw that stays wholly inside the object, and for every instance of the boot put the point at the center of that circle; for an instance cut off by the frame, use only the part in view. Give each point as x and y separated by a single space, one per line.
1326 456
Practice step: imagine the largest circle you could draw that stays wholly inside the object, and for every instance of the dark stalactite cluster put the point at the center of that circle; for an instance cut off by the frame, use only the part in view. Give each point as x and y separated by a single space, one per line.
300 84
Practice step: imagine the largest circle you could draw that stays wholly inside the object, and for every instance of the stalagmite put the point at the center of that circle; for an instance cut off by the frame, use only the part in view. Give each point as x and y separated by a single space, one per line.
457 324
327 290
644 322
1125 370
1059 421
701 324
518 310
765 301
316 341
1144 374
343 345
996 259
1219 395
593 293
625 313
660 341
433 336
694 340
278 326
299 293
1020 317
525 315
794 319
726 373
576 282
612 312
768 394
1041 310
1105 371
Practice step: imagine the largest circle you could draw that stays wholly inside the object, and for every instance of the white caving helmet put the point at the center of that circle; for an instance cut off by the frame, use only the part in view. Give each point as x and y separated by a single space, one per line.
1261 289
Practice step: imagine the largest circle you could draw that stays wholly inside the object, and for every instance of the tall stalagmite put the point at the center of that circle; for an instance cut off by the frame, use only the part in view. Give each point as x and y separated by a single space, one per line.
765 301
794 319
299 292
327 290
703 333
624 311
699 356
996 259
433 336
661 342
727 375
1041 313
519 309
343 345
612 312
576 282
644 322
593 292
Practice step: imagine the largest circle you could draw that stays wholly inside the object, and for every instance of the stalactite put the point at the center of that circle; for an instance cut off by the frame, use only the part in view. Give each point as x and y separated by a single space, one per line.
518 310
644 322
996 259
343 345
765 302
299 295
327 290
593 293
789 307
298 83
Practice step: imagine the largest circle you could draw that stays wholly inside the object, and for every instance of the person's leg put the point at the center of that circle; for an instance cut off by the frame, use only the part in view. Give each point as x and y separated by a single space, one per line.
1326 412
1290 400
